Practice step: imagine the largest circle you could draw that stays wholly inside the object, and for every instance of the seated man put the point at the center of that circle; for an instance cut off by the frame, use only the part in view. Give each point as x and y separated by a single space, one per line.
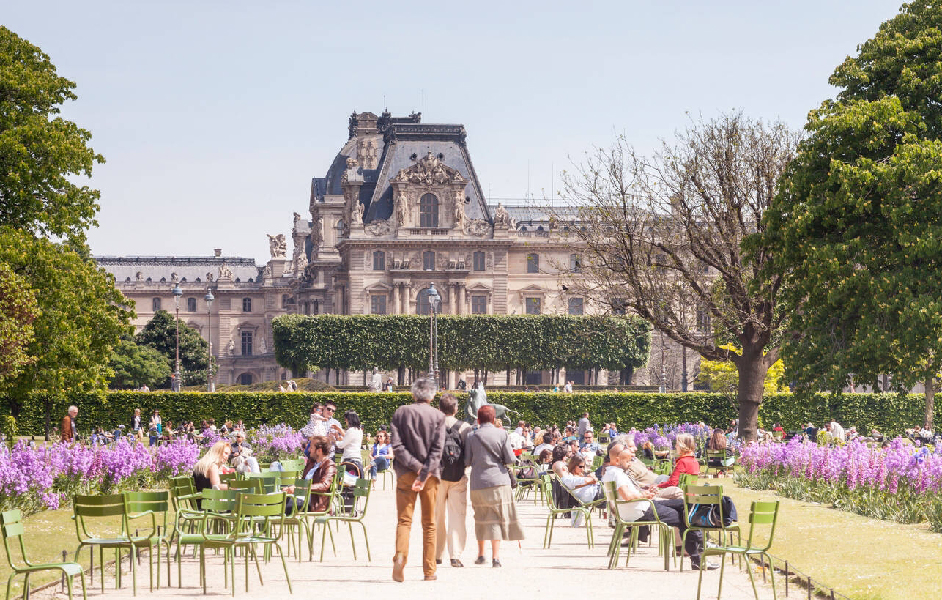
320 469
547 444
640 506
241 456
589 448
583 486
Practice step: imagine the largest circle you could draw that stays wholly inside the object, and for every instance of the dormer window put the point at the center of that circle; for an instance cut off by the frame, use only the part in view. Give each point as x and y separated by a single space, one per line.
428 211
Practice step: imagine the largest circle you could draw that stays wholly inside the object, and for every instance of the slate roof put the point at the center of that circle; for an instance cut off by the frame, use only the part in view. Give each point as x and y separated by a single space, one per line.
190 268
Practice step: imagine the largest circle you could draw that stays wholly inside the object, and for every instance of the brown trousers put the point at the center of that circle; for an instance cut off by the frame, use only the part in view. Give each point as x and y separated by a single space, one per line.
405 506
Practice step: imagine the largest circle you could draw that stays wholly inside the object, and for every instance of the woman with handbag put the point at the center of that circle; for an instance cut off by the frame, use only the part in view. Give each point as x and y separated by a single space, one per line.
488 453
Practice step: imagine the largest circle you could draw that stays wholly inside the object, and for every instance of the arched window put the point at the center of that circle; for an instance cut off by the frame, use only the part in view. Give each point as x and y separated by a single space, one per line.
155 304
245 379
533 263
428 211
246 305
428 261
422 304
191 305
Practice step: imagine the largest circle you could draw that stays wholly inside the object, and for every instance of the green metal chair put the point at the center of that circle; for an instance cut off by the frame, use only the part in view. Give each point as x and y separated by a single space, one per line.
722 457
138 506
259 519
546 481
586 509
299 517
217 510
709 495
685 480
101 509
765 515
291 464
354 514
269 480
252 485
11 525
665 533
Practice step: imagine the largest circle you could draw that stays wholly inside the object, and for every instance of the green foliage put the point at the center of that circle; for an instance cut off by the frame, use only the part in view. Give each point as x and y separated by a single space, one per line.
160 334
18 310
890 413
722 375
8 429
135 365
82 314
40 153
491 342
857 224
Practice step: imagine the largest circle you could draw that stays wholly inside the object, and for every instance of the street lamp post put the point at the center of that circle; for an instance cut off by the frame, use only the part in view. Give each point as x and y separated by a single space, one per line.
663 388
435 302
177 292
209 338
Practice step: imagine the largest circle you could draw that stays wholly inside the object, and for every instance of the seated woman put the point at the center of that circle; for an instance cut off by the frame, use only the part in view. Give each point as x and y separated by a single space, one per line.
716 442
544 461
686 465
381 455
207 470
582 485
351 441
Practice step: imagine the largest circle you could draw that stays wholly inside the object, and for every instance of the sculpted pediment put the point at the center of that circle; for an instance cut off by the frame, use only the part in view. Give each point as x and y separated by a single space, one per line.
430 170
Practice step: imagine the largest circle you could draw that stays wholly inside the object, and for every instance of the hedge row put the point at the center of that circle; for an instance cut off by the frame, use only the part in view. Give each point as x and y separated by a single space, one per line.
889 413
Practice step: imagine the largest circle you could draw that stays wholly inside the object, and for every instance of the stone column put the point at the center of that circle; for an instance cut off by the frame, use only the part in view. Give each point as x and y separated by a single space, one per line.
453 299
407 297
395 299
461 299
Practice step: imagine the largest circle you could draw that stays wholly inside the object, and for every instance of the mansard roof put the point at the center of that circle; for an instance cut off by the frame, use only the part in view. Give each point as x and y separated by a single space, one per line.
191 268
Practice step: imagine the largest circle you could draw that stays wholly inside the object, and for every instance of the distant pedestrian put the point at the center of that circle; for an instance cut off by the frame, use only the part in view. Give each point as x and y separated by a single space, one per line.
584 426
69 430
418 436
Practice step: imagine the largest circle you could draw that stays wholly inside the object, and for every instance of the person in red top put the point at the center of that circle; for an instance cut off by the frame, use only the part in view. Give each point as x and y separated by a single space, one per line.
686 461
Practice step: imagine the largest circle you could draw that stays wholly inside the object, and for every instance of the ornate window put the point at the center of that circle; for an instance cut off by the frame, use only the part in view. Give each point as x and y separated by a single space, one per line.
534 306
704 320
155 304
575 263
428 261
428 211
478 305
191 305
576 306
246 343
478 261
245 379
246 305
533 263
379 261
378 304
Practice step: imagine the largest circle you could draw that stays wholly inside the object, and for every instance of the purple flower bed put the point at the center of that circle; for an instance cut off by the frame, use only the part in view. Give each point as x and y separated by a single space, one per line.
901 482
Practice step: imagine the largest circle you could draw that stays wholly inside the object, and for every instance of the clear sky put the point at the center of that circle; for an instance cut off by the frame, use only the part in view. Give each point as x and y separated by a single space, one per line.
214 116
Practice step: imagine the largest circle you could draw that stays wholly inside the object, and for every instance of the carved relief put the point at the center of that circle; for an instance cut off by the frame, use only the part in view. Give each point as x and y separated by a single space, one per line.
477 228
277 245
225 272
378 228
300 263
429 170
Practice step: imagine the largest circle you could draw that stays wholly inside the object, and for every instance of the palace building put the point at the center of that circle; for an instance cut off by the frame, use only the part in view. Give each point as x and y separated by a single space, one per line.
399 208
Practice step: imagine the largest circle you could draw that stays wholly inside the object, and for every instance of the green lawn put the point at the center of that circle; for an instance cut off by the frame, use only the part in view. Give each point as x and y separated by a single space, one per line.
863 558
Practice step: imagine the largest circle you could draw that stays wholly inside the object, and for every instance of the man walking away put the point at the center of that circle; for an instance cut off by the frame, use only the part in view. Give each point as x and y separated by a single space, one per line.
453 489
68 429
418 435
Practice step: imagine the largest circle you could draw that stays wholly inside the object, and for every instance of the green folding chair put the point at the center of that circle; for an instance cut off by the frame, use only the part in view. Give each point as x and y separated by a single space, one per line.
664 532
155 505
354 514
11 525
546 480
763 514
299 517
711 496
107 511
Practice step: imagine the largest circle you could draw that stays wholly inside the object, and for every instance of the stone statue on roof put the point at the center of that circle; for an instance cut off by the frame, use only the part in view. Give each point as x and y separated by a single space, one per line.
502 218
402 210
277 245
459 213
224 271
357 217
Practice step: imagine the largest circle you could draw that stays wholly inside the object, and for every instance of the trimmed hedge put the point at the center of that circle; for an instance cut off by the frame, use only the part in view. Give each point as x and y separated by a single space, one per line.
890 413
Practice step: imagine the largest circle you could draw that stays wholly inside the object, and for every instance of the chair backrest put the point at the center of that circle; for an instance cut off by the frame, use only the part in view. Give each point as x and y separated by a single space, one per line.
546 482
139 502
250 508
288 477
703 495
686 479
11 524
302 491
96 507
764 514
361 497
227 477
291 465
251 485
180 489
219 500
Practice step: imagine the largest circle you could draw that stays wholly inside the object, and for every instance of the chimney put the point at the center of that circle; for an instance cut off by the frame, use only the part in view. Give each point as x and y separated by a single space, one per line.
218 252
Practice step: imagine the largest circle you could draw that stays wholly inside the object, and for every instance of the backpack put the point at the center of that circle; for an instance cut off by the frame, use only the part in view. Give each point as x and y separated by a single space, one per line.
453 454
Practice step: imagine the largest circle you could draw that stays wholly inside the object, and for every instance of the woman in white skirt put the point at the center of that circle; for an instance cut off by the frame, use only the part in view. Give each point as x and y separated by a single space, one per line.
488 453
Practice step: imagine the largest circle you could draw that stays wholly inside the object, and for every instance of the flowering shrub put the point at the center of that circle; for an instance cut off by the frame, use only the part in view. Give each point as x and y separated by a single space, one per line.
662 437
275 443
901 482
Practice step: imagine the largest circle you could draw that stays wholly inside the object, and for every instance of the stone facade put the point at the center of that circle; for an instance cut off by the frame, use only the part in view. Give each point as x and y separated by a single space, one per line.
400 208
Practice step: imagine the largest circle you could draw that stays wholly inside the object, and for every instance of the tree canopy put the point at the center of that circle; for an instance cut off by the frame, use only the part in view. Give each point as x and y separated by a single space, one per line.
40 151
856 228
135 365
663 239
18 310
160 333
485 342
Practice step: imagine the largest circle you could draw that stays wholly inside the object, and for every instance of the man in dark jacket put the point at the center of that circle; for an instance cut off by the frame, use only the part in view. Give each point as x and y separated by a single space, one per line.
418 436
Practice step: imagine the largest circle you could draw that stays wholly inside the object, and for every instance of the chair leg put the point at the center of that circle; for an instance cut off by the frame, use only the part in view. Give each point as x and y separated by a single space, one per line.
285 566
84 593
771 574
366 539
352 542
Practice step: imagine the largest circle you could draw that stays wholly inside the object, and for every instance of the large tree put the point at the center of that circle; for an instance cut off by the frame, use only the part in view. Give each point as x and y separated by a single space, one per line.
857 227
135 365
18 310
661 236
160 333
40 152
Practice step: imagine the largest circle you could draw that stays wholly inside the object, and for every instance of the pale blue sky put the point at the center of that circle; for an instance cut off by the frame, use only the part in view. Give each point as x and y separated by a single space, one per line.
214 116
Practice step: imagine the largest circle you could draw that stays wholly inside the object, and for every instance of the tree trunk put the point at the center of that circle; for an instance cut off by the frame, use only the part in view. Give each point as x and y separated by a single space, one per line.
930 401
752 367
